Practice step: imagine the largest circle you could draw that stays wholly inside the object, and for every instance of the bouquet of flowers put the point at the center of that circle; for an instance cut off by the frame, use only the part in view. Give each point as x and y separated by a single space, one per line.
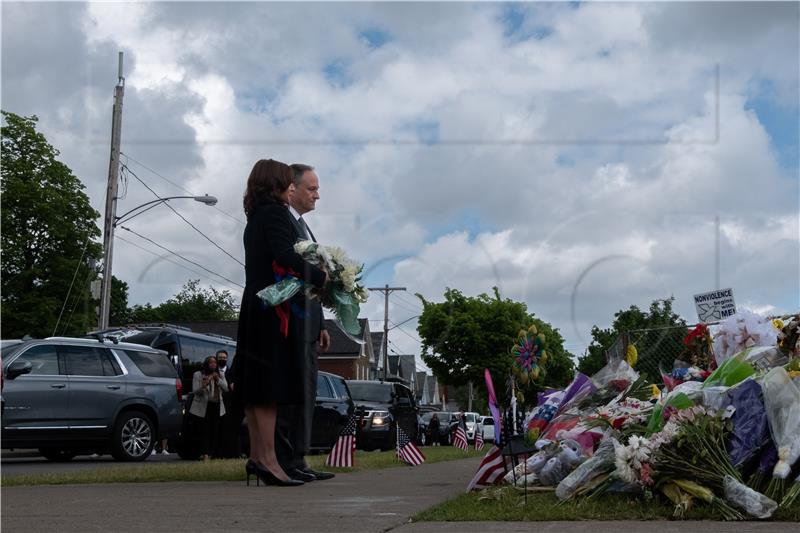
343 294
782 403
743 330
698 347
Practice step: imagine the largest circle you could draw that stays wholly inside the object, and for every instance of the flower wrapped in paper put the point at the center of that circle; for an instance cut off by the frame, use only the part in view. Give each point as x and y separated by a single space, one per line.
782 403
343 294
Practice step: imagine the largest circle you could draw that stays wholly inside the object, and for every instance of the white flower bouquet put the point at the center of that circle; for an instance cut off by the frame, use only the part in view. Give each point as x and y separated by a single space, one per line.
343 293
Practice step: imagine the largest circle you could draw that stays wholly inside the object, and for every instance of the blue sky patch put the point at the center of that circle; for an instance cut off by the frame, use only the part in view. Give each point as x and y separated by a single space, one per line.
337 73
782 123
374 37
515 28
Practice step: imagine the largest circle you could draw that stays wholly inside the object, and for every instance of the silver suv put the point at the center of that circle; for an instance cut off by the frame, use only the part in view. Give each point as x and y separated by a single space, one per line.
66 396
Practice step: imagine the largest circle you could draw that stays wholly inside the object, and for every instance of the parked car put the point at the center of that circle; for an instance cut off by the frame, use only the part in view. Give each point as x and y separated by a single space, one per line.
472 425
486 427
382 406
447 425
187 349
67 396
332 411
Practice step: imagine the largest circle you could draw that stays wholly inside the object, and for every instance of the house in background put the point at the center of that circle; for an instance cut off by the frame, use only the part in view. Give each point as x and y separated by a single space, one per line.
427 390
346 357
376 368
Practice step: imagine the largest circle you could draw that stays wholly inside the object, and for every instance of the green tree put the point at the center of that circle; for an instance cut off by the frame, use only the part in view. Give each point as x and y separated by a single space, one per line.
48 232
192 303
464 335
659 345
119 314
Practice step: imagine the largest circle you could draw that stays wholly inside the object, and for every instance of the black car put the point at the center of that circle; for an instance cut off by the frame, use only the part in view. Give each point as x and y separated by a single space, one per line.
332 411
381 407
67 396
447 425
186 348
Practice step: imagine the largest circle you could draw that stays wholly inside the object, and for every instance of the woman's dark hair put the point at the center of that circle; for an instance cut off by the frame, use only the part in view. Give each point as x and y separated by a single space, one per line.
206 370
267 181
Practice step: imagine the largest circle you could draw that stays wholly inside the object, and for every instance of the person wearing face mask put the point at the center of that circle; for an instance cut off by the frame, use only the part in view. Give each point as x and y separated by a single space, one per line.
207 386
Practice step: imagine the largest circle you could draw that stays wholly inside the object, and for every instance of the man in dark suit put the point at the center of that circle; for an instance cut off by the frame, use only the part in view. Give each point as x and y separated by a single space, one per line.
293 428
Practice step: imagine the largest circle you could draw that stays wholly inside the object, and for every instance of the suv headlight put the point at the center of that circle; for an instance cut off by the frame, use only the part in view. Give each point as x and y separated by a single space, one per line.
379 418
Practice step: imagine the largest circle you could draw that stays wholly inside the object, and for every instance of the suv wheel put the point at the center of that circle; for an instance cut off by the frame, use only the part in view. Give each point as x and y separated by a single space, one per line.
56 454
133 438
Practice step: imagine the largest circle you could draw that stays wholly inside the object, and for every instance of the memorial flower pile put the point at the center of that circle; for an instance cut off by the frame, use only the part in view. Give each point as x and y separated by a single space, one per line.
722 431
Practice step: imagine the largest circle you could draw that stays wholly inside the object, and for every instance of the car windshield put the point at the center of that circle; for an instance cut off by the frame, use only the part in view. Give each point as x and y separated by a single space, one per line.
10 348
370 392
470 417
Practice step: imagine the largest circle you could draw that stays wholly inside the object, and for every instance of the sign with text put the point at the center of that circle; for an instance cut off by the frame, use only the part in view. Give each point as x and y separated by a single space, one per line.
714 305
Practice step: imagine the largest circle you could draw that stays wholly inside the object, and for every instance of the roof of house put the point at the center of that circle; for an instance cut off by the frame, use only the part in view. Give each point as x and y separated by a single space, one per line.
342 345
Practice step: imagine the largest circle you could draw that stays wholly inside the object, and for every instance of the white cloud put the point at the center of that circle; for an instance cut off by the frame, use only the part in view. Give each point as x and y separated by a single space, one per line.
594 183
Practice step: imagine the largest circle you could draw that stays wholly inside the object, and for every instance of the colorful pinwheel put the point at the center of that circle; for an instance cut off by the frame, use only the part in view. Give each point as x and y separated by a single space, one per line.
530 355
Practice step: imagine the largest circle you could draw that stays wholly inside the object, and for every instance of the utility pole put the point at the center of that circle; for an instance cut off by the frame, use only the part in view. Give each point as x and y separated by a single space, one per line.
111 199
386 290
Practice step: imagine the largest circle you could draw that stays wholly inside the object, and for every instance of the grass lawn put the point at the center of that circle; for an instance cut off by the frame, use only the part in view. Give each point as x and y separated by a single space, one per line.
507 504
219 470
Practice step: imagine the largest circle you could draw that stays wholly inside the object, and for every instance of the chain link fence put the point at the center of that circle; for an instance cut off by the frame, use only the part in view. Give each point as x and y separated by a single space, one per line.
658 347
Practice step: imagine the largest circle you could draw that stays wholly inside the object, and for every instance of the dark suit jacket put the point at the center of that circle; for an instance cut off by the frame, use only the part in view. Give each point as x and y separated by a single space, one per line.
307 312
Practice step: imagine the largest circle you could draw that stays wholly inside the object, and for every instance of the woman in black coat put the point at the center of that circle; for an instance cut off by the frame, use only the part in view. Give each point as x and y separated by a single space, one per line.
267 371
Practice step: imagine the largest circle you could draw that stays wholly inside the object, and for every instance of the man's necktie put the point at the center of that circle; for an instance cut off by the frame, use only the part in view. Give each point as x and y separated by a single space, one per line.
306 230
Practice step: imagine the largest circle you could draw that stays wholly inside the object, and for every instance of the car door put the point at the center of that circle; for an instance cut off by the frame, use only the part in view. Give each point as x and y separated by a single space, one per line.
326 415
406 412
37 403
96 388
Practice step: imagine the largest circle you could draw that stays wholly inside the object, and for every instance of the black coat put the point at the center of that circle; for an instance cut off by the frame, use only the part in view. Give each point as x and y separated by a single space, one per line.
267 368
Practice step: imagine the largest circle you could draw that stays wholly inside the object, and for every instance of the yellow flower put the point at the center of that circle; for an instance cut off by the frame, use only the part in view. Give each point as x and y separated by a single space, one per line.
632 355
778 323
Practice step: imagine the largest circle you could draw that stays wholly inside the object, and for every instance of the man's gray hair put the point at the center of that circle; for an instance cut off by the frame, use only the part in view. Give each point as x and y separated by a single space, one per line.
298 169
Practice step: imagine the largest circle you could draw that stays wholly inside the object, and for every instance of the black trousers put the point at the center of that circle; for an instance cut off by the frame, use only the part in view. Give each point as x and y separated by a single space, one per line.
293 425
210 428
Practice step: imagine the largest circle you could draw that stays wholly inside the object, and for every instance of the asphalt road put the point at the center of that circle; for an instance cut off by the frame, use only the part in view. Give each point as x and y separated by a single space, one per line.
29 462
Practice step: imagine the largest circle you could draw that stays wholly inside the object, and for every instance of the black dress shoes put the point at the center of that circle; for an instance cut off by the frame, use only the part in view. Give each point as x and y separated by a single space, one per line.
317 475
300 475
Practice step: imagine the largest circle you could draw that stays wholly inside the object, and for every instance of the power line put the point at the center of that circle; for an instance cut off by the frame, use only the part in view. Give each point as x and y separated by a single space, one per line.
178 186
173 262
89 274
71 283
407 308
223 250
410 302
403 322
407 334
179 255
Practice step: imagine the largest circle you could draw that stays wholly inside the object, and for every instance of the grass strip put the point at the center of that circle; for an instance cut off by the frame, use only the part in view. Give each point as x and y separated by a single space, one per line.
507 504
218 469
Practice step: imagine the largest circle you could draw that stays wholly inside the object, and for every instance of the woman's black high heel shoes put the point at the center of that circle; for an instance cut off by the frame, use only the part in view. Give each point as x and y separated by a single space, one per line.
261 473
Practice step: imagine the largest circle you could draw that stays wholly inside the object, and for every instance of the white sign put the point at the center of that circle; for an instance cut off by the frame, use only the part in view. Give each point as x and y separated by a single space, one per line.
715 305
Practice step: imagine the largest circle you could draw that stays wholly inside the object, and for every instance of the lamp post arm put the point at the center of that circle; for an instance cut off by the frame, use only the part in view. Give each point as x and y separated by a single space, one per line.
151 203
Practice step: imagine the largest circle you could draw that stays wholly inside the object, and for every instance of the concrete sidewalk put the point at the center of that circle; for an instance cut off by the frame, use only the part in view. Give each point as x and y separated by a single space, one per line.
375 501
372 501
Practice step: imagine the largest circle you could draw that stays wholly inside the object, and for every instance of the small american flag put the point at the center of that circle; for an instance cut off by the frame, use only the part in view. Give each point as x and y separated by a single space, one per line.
479 438
406 450
342 453
460 437
491 469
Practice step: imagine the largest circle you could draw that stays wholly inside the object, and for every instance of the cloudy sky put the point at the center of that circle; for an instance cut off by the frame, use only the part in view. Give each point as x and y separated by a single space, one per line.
576 155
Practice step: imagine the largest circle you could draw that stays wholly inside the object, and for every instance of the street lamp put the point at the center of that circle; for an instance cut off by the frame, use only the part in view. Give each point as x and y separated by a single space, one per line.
205 199
108 250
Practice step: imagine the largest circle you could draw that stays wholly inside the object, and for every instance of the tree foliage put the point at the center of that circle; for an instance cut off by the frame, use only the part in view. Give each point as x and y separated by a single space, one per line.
463 335
653 349
193 303
48 232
